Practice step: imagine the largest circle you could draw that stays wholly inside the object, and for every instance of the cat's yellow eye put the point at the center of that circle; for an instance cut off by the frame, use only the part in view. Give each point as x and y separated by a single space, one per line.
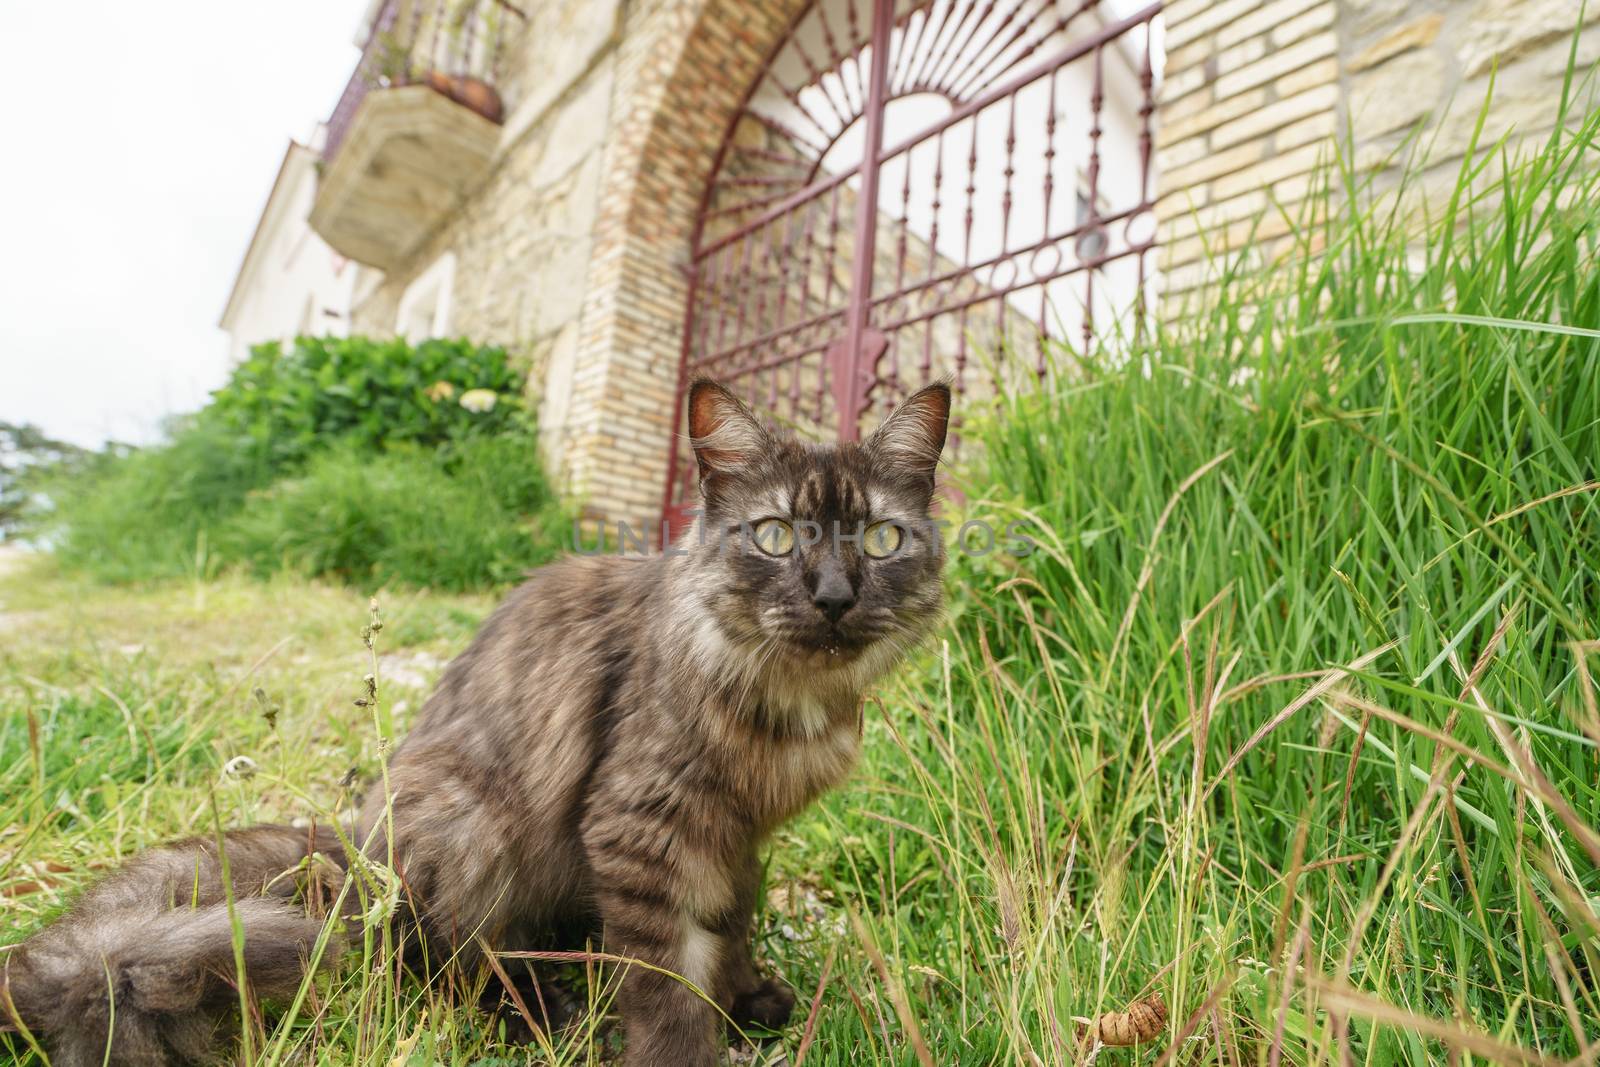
774 537
881 539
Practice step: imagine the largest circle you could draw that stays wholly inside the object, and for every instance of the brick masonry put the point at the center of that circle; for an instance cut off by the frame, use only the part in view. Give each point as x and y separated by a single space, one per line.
1249 105
683 70
1257 91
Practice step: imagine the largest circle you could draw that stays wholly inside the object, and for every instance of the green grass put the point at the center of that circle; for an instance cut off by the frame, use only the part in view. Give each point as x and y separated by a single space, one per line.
1291 718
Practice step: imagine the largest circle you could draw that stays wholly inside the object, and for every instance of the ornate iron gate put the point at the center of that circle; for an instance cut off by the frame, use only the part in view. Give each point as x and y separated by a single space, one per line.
917 189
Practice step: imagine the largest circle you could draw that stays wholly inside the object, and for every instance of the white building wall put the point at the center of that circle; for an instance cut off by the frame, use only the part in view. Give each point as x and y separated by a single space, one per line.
291 282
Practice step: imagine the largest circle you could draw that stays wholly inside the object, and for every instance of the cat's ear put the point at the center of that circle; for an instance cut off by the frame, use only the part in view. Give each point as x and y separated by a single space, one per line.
725 435
912 437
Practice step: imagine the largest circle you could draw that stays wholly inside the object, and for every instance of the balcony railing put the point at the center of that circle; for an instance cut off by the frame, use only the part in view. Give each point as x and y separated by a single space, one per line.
452 46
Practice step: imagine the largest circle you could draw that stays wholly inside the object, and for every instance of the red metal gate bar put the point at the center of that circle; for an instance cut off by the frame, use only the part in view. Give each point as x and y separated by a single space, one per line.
799 310
850 384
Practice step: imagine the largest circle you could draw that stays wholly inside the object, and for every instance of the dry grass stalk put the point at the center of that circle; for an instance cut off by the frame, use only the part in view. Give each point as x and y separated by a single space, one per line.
1341 999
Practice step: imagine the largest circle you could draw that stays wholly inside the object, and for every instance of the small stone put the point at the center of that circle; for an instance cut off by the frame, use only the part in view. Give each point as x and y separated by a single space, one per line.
1397 94
1369 15
1505 29
1417 34
413 671
1523 106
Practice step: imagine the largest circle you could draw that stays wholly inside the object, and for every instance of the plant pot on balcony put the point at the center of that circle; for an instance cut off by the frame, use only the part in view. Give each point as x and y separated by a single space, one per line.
469 92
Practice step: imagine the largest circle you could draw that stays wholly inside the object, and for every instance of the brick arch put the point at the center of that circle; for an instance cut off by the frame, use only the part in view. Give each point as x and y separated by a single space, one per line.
684 68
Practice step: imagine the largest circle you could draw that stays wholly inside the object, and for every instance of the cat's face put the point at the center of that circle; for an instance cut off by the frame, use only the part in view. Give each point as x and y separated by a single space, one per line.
818 554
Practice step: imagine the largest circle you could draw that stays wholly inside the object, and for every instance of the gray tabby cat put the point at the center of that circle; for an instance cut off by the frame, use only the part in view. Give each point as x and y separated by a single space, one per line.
608 754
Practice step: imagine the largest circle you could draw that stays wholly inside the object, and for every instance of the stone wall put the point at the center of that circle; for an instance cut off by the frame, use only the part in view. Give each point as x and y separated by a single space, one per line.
683 68
1257 91
573 249
523 240
572 252
1427 66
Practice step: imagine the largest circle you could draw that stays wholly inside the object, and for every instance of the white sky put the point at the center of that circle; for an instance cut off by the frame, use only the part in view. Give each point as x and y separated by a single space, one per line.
140 140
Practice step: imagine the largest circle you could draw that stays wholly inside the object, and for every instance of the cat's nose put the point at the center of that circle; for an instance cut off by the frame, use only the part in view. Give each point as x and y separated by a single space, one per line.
833 596
835 605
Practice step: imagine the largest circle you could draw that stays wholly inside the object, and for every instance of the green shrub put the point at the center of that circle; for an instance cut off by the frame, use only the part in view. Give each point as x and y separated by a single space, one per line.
290 405
402 516
342 457
135 514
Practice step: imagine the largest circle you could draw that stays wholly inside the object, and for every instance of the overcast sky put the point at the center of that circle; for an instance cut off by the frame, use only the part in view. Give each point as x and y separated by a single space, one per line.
140 142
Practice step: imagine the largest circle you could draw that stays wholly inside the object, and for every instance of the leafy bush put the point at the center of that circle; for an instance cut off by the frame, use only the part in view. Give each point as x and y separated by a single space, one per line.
289 405
402 516
137 513
343 457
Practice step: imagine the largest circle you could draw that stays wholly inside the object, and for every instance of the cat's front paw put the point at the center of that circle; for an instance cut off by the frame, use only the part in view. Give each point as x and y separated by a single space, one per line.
768 1005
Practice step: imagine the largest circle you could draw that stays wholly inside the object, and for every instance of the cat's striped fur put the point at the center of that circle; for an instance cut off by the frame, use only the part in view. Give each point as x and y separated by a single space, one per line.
609 754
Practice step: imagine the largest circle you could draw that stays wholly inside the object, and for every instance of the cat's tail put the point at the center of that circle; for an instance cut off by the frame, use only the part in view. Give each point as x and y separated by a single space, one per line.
142 970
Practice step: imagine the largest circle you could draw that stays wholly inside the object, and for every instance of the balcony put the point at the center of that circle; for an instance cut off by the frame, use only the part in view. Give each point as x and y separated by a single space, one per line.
416 127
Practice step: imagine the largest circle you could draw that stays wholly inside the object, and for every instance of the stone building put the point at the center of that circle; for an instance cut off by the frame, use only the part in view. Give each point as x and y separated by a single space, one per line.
628 191
561 212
